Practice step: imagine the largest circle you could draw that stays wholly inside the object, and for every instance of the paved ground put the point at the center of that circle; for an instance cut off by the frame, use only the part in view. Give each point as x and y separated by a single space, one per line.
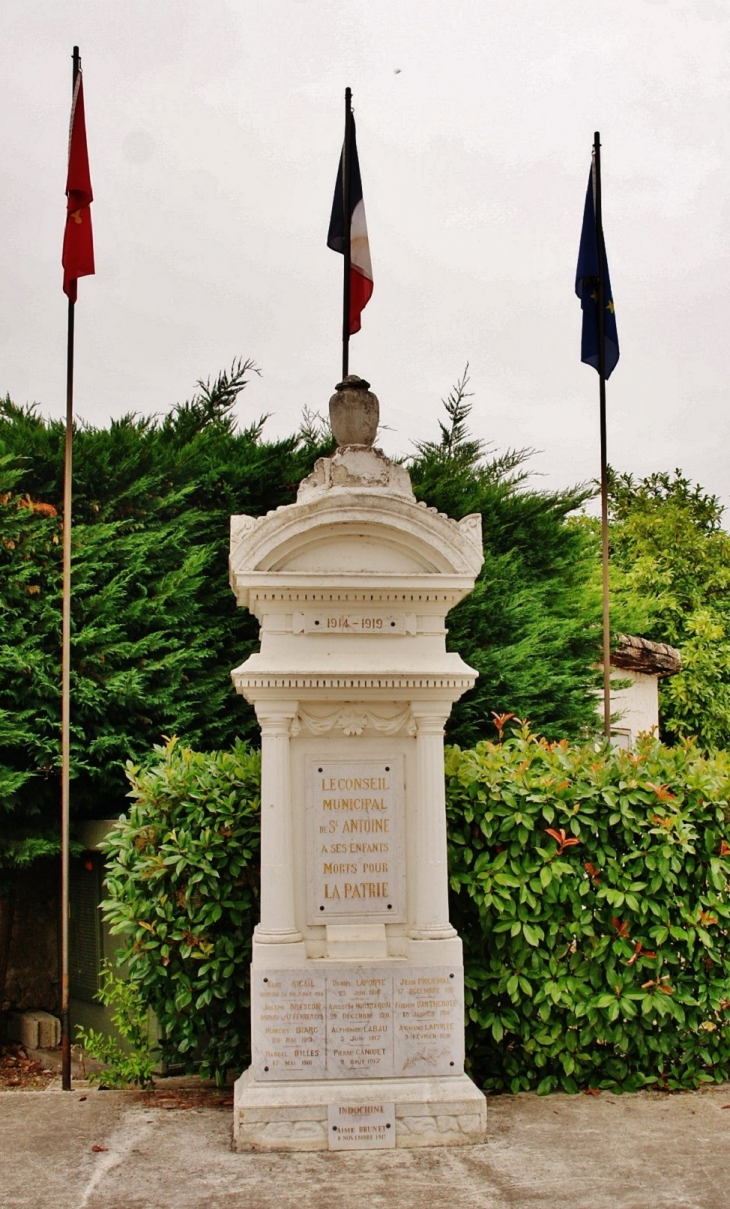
607 1152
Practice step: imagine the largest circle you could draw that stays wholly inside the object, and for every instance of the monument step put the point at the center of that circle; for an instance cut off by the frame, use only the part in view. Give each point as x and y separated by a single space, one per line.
444 1111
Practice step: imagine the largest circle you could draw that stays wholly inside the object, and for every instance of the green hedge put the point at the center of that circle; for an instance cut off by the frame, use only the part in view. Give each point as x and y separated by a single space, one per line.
589 886
591 892
182 885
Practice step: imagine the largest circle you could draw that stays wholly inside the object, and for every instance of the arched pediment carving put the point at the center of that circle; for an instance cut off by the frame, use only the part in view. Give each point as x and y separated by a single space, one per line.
353 532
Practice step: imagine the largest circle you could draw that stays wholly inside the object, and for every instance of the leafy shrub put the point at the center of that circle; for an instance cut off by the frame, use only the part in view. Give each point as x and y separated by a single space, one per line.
134 1062
591 892
670 573
182 890
590 889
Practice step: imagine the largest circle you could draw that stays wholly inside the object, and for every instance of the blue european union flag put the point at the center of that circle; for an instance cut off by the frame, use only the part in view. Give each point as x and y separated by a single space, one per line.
586 287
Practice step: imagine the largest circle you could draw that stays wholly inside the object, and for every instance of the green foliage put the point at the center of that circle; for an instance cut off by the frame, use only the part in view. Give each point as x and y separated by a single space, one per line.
29 629
590 887
591 891
155 627
133 1063
182 883
531 627
670 569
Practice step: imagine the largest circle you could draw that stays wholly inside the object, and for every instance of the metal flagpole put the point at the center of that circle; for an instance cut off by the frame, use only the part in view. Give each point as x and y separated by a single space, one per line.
604 462
65 681
346 157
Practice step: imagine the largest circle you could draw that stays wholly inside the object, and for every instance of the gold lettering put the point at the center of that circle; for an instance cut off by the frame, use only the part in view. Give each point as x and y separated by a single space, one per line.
365 825
365 890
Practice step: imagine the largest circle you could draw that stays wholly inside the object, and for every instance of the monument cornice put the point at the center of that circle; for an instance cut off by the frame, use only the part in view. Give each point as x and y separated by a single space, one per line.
405 682
254 588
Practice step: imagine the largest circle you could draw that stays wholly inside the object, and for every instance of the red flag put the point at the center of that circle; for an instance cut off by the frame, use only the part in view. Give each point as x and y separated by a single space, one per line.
78 240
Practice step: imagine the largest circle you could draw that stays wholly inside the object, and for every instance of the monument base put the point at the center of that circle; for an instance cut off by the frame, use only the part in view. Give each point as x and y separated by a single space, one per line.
445 1111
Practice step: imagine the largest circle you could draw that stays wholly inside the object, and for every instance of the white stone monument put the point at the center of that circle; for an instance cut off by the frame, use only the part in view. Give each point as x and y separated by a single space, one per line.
357 975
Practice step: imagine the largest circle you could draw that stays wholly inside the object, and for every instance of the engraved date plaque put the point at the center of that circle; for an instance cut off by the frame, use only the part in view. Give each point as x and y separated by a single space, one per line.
336 621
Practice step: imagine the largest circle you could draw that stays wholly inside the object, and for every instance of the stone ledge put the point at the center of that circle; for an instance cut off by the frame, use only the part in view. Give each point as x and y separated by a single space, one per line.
448 1111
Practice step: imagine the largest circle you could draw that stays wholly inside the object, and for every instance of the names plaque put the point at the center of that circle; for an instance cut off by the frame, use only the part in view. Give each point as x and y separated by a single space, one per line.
361 1126
357 1022
355 839
289 1024
360 1024
428 1005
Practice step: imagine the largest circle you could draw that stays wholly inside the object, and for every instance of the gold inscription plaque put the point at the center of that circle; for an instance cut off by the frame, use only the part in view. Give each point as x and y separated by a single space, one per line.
355 839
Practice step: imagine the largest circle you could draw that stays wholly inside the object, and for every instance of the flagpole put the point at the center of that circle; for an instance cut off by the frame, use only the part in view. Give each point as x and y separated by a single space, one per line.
346 160
604 461
65 681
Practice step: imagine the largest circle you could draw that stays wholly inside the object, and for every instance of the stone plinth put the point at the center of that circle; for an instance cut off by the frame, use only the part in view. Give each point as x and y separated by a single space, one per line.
448 1111
357 978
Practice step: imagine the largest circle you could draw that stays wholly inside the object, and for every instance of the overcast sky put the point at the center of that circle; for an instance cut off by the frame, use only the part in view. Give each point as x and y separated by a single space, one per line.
214 132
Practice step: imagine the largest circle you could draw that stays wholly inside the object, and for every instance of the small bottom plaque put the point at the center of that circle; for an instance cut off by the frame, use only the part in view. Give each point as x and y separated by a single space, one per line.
361 1126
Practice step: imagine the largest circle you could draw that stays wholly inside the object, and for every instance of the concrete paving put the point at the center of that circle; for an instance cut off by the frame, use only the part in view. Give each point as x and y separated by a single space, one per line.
607 1152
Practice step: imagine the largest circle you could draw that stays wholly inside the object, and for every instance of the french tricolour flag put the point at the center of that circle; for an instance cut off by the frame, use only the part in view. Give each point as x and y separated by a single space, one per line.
361 270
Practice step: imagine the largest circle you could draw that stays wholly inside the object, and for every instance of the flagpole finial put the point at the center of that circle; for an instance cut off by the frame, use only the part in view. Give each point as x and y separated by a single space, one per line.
354 412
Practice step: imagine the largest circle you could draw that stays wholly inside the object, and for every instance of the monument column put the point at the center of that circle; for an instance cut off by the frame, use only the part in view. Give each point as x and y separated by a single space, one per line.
431 918
278 917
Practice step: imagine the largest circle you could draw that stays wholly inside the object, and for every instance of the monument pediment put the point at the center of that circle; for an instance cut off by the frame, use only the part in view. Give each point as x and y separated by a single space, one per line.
347 530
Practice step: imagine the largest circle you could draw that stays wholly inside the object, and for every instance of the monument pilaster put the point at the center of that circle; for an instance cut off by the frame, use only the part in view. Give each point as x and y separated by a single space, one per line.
431 921
278 914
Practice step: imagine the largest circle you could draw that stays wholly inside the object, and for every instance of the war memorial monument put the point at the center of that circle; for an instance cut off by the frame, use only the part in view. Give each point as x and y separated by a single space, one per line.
357 999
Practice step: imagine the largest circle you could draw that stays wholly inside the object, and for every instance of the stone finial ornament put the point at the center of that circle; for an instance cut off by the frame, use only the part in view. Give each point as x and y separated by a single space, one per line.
354 412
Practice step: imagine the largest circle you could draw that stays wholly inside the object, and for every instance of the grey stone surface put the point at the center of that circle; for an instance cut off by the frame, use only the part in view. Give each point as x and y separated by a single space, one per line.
354 412
421 1106
357 1021
557 1152
34 1029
